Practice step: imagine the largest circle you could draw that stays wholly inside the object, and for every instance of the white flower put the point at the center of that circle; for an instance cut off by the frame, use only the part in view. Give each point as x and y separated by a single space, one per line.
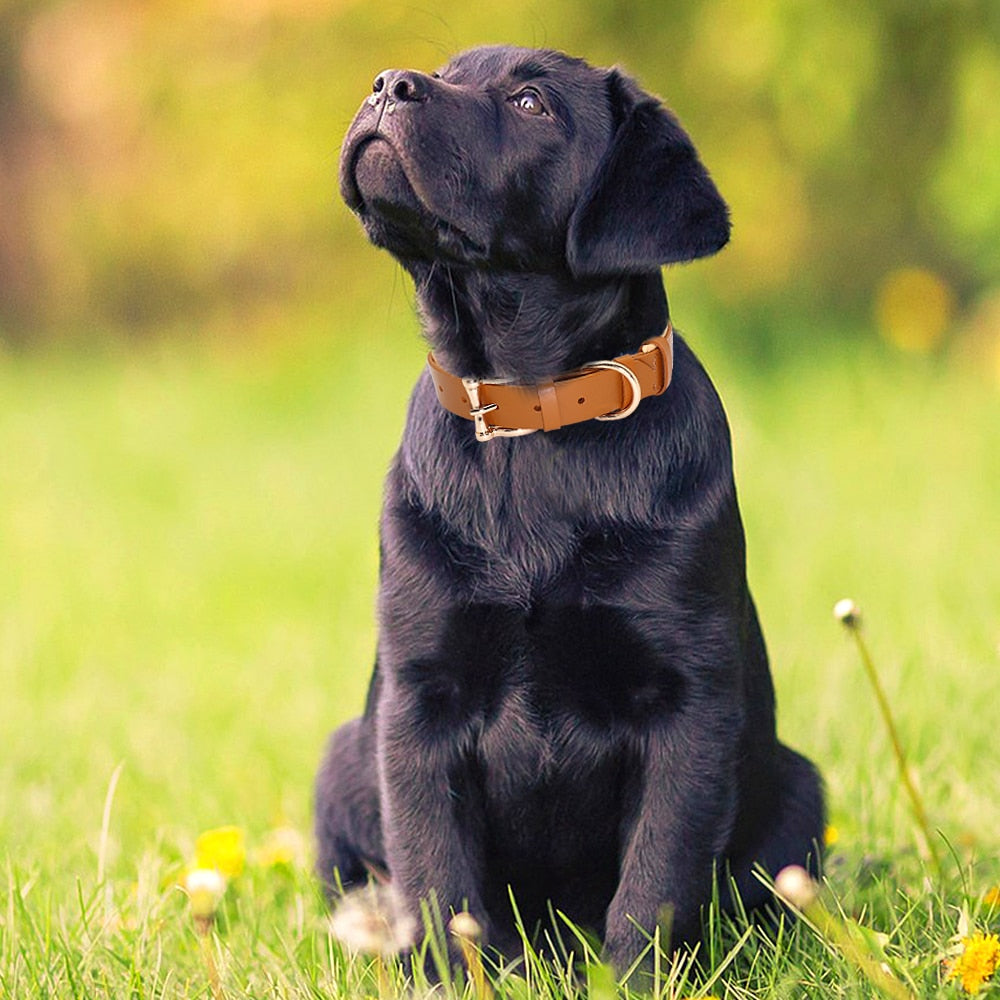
371 921
847 612
795 886
205 888
465 926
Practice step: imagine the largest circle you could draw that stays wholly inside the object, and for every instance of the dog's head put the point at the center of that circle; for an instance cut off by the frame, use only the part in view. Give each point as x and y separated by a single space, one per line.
529 160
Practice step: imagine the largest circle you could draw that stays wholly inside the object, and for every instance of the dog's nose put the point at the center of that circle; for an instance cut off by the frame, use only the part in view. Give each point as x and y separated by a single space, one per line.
401 85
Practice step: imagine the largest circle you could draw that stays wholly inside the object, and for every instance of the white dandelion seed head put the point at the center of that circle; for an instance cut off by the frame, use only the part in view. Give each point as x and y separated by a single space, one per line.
795 885
205 888
847 612
464 925
371 921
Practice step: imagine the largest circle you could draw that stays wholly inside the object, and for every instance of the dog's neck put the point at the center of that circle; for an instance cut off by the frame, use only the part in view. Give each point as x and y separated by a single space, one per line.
529 327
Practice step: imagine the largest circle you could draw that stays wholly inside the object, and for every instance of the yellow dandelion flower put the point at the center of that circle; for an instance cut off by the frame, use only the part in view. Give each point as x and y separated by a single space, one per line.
830 836
223 849
978 961
992 896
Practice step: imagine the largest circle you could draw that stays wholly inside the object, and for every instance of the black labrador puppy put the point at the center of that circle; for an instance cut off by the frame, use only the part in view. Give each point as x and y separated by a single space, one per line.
571 702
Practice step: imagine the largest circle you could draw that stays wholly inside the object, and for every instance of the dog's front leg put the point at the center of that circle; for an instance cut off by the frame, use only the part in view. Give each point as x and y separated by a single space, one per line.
426 719
429 824
683 814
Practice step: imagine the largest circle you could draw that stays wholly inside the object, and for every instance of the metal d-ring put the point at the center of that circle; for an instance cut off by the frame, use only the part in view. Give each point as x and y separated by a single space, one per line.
633 381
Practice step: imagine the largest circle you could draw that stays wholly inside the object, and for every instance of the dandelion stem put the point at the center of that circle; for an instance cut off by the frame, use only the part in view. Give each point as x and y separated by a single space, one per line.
799 890
383 977
916 801
204 928
837 934
466 930
205 888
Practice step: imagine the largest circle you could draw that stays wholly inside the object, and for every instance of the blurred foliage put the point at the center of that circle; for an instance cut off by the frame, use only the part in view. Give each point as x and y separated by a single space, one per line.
168 164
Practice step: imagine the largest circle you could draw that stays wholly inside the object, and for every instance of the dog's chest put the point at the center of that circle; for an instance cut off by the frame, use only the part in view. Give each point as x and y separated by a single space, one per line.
561 729
522 509
538 686
541 778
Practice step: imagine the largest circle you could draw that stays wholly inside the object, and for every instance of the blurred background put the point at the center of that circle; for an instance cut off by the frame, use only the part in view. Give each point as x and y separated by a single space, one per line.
204 368
171 167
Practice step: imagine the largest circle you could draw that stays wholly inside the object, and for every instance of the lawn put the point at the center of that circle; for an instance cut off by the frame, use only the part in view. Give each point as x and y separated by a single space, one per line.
188 556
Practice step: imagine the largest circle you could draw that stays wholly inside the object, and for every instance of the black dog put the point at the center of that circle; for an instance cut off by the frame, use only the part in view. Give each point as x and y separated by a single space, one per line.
572 699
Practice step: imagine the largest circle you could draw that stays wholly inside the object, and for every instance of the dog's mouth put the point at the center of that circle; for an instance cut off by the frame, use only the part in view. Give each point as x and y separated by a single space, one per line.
376 185
373 178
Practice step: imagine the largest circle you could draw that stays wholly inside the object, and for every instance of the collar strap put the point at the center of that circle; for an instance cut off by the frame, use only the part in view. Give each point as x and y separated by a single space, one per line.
602 390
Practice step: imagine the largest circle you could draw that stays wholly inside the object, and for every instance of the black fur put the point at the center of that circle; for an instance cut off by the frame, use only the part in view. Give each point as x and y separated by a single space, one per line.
572 695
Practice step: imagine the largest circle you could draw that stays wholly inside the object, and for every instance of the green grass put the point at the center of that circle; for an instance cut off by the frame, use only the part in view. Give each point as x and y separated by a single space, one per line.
187 568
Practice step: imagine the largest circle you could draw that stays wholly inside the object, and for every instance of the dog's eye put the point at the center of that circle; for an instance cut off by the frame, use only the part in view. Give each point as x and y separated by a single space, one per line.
529 101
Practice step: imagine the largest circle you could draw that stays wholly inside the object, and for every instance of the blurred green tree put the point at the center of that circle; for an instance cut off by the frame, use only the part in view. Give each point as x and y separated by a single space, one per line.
174 165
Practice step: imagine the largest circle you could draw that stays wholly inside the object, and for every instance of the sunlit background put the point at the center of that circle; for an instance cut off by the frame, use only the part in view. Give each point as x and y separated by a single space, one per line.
204 368
170 167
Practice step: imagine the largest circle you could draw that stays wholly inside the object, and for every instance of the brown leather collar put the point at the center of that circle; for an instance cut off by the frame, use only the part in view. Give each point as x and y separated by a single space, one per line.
602 390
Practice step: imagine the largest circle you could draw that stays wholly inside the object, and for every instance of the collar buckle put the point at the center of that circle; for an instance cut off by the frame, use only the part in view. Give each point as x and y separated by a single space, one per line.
485 431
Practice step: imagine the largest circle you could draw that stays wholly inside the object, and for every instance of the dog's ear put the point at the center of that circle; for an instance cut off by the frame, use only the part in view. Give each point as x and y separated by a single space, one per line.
651 201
